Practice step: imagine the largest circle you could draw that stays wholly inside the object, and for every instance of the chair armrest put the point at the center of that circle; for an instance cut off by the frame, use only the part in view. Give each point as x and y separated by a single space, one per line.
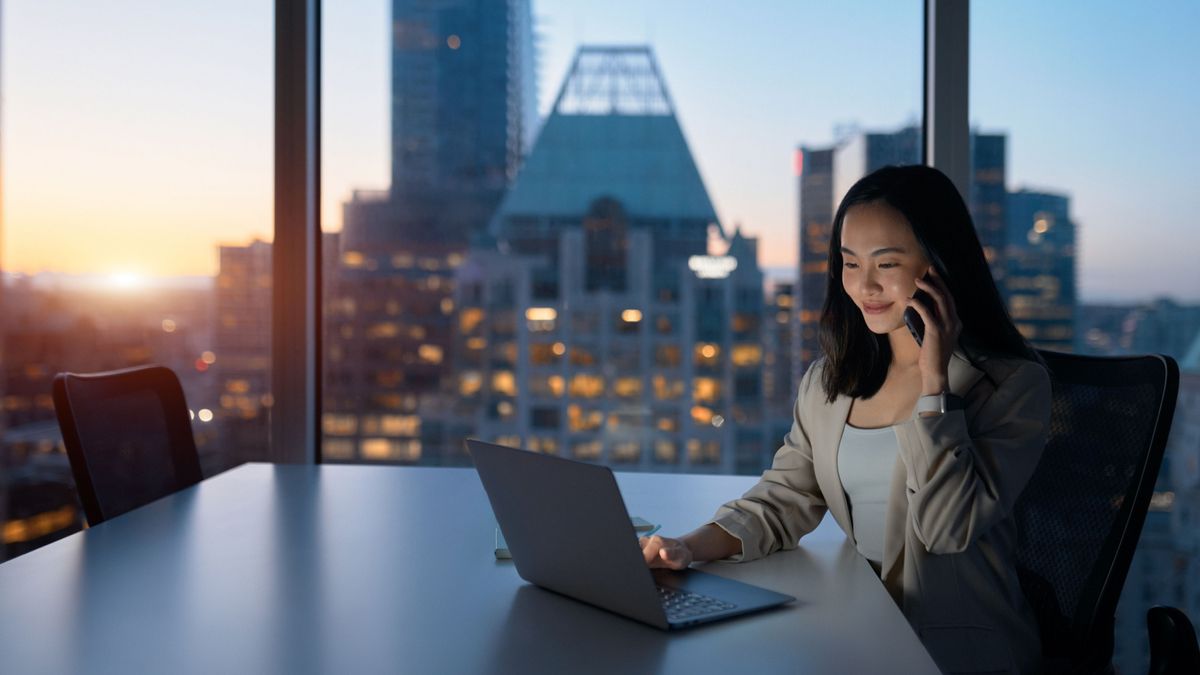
1172 642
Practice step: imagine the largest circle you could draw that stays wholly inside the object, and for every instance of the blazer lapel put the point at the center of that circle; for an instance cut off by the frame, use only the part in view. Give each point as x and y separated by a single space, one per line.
827 438
962 377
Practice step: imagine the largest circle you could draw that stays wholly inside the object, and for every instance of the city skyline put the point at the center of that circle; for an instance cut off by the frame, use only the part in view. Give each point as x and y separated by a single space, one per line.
179 218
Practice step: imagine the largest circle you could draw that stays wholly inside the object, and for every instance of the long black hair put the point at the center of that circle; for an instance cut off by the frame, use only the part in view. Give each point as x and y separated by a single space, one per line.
856 359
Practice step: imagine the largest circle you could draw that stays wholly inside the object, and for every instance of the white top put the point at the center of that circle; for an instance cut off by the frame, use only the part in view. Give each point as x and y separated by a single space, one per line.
865 459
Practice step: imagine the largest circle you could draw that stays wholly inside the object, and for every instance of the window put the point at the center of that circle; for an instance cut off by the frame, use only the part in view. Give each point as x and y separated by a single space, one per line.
498 245
137 229
1086 174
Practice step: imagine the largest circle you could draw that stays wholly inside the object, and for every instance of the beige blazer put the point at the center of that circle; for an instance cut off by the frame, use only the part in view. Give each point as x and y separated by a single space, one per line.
949 540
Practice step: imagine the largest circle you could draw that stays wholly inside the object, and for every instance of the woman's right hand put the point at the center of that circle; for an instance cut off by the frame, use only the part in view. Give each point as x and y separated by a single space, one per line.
666 552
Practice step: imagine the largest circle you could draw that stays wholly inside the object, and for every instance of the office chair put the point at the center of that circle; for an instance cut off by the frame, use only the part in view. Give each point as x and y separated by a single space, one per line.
128 435
1080 516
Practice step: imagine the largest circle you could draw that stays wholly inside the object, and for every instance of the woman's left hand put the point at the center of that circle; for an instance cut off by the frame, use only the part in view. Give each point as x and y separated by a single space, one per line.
942 328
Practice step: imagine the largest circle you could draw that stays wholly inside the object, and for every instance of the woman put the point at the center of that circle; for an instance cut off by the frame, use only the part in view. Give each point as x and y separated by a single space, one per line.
918 450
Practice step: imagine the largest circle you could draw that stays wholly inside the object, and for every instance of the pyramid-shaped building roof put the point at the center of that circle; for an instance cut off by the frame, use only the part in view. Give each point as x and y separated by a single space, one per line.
612 133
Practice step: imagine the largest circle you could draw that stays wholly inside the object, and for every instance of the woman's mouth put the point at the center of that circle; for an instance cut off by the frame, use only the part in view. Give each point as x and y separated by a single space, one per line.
876 308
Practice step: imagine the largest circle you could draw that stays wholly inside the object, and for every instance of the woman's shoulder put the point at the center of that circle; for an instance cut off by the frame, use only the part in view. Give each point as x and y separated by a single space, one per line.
1005 371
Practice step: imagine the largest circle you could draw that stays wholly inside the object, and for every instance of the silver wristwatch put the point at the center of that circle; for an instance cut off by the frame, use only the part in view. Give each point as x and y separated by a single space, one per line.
939 403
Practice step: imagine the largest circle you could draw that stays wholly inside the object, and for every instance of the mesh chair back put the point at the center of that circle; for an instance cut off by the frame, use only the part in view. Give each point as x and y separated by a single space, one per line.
1081 514
128 435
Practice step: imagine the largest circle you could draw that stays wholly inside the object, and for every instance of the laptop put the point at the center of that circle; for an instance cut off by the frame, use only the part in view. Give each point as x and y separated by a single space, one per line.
569 532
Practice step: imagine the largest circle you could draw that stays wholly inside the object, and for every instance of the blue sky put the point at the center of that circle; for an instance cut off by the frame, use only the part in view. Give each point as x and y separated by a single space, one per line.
170 103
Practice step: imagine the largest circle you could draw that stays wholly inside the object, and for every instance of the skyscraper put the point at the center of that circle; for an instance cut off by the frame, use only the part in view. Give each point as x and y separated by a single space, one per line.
464 113
595 324
815 169
1039 284
987 198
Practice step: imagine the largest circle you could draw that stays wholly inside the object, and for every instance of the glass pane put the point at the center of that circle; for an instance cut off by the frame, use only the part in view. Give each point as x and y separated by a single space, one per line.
137 151
585 250
1090 118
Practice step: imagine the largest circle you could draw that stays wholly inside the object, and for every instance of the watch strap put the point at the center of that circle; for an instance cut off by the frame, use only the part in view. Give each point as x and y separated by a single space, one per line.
939 403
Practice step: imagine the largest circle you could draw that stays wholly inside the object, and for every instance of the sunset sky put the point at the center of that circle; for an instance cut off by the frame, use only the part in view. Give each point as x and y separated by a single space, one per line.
137 136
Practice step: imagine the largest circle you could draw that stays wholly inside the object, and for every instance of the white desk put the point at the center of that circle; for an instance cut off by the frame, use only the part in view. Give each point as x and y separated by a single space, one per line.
367 569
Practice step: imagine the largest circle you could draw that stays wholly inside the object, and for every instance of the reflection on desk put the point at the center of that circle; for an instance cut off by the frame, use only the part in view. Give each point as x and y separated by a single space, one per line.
338 569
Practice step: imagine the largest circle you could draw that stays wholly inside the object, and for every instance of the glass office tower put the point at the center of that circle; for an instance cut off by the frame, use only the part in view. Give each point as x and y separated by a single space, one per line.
463 115
593 322
1040 262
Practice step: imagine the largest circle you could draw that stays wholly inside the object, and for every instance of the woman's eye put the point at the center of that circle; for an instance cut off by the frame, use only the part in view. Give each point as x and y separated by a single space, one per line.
850 265
888 265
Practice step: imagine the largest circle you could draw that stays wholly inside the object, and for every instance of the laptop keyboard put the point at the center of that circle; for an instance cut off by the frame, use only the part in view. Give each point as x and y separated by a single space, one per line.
684 605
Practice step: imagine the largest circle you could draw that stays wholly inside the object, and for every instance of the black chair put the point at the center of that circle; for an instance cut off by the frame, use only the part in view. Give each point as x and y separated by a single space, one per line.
1173 648
128 435
1081 514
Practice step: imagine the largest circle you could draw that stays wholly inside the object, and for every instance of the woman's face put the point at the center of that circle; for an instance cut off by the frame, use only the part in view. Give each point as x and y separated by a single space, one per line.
881 261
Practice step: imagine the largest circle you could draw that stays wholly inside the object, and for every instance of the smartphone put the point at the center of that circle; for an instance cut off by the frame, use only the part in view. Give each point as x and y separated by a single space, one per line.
912 319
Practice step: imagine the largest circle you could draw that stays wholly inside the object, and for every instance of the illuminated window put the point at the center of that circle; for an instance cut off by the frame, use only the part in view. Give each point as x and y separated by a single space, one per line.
581 356
541 319
579 419
469 319
505 354
587 450
510 441
666 451
469 383
400 425
701 415
544 354
667 421
628 387
337 449
339 425
586 386
383 330
551 386
744 323
744 355
707 354
544 445
704 452
667 389
626 451
503 382
430 353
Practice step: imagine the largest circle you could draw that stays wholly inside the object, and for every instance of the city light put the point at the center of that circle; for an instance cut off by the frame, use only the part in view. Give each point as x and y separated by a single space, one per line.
631 315
168 326
541 314
205 415
712 266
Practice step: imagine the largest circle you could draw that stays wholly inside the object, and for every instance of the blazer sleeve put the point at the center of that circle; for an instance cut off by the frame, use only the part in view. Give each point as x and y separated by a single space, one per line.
962 478
786 503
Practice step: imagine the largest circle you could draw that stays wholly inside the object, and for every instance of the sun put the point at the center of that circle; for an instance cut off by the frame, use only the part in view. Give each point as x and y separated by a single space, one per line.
125 281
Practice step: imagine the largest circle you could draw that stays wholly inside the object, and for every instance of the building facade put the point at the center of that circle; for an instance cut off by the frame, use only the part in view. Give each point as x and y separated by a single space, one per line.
596 323
464 113
1039 284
